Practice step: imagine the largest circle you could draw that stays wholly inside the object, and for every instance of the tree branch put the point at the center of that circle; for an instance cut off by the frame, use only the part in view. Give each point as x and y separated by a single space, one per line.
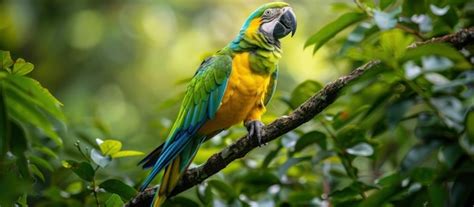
305 112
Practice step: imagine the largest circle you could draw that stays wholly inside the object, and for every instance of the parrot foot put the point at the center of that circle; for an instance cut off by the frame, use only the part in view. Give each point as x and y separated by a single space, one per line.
254 129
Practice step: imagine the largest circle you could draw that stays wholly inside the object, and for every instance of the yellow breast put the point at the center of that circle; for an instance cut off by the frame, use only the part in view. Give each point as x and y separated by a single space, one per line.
245 91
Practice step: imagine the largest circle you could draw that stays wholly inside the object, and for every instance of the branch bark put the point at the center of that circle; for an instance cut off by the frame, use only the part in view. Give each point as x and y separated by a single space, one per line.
305 112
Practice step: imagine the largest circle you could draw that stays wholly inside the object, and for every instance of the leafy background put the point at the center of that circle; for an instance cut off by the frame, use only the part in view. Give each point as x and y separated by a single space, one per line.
403 135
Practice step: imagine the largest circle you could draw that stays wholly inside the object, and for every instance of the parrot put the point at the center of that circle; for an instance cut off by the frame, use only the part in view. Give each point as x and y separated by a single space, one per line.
232 86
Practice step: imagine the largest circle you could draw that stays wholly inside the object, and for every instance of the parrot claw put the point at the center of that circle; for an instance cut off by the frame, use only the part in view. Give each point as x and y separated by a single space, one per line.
254 129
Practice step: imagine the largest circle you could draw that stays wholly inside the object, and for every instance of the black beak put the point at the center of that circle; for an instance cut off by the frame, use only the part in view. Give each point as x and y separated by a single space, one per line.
285 25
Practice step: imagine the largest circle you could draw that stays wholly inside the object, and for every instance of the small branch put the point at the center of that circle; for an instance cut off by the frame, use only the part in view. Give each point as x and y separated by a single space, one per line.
305 112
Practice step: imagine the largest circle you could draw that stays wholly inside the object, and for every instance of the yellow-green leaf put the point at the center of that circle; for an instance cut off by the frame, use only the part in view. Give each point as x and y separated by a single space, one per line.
109 147
126 153
21 67
5 60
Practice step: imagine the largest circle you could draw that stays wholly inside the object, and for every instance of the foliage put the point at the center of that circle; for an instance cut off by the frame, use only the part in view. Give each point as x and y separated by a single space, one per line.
402 135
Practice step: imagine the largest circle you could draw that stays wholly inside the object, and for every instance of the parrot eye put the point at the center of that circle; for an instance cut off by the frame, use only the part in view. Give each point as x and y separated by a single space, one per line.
268 12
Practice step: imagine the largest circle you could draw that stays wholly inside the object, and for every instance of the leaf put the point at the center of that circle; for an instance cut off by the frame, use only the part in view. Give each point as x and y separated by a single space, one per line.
35 171
74 188
441 49
417 154
46 151
37 94
333 28
385 3
18 146
349 136
224 189
394 43
382 196
114 201
99 159
304 91
38 161
313 137
84 170
21 67
359 34
204 193
126 153
438 195
270 156
19 109
119 188
110 146
361 149
449 155
289 163
5 60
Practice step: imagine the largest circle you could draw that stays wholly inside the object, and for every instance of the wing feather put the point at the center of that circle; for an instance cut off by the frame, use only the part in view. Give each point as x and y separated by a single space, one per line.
201 102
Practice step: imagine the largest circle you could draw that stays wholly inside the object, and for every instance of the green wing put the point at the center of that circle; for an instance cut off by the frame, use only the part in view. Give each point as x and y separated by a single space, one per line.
203 97
271 86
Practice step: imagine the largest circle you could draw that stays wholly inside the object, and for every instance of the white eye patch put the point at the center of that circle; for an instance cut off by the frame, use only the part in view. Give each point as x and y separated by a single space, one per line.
269 26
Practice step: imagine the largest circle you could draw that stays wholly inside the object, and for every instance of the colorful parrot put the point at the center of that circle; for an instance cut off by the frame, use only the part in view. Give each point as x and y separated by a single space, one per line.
231 86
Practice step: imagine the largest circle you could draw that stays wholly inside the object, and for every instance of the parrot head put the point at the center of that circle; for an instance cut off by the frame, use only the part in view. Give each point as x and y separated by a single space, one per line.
269 23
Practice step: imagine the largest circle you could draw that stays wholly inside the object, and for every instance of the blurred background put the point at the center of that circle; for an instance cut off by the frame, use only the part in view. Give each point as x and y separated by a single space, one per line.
121 68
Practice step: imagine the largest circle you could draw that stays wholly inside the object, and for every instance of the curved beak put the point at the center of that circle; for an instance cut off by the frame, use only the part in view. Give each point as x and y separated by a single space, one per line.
285 24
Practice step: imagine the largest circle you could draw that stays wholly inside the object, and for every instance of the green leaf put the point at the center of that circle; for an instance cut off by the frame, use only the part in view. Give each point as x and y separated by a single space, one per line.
304 91
204 193
333 28
394 43
20 109
313 137
35 171
21 67
270 156
18 146
418 154
84 170
350 135
438 195
224 189
114 201
441 49
5 60
36 94
109 146
38 161
99 159
382 196
385 3
74 188
290 163
449 155
46 151
119 188
126 153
